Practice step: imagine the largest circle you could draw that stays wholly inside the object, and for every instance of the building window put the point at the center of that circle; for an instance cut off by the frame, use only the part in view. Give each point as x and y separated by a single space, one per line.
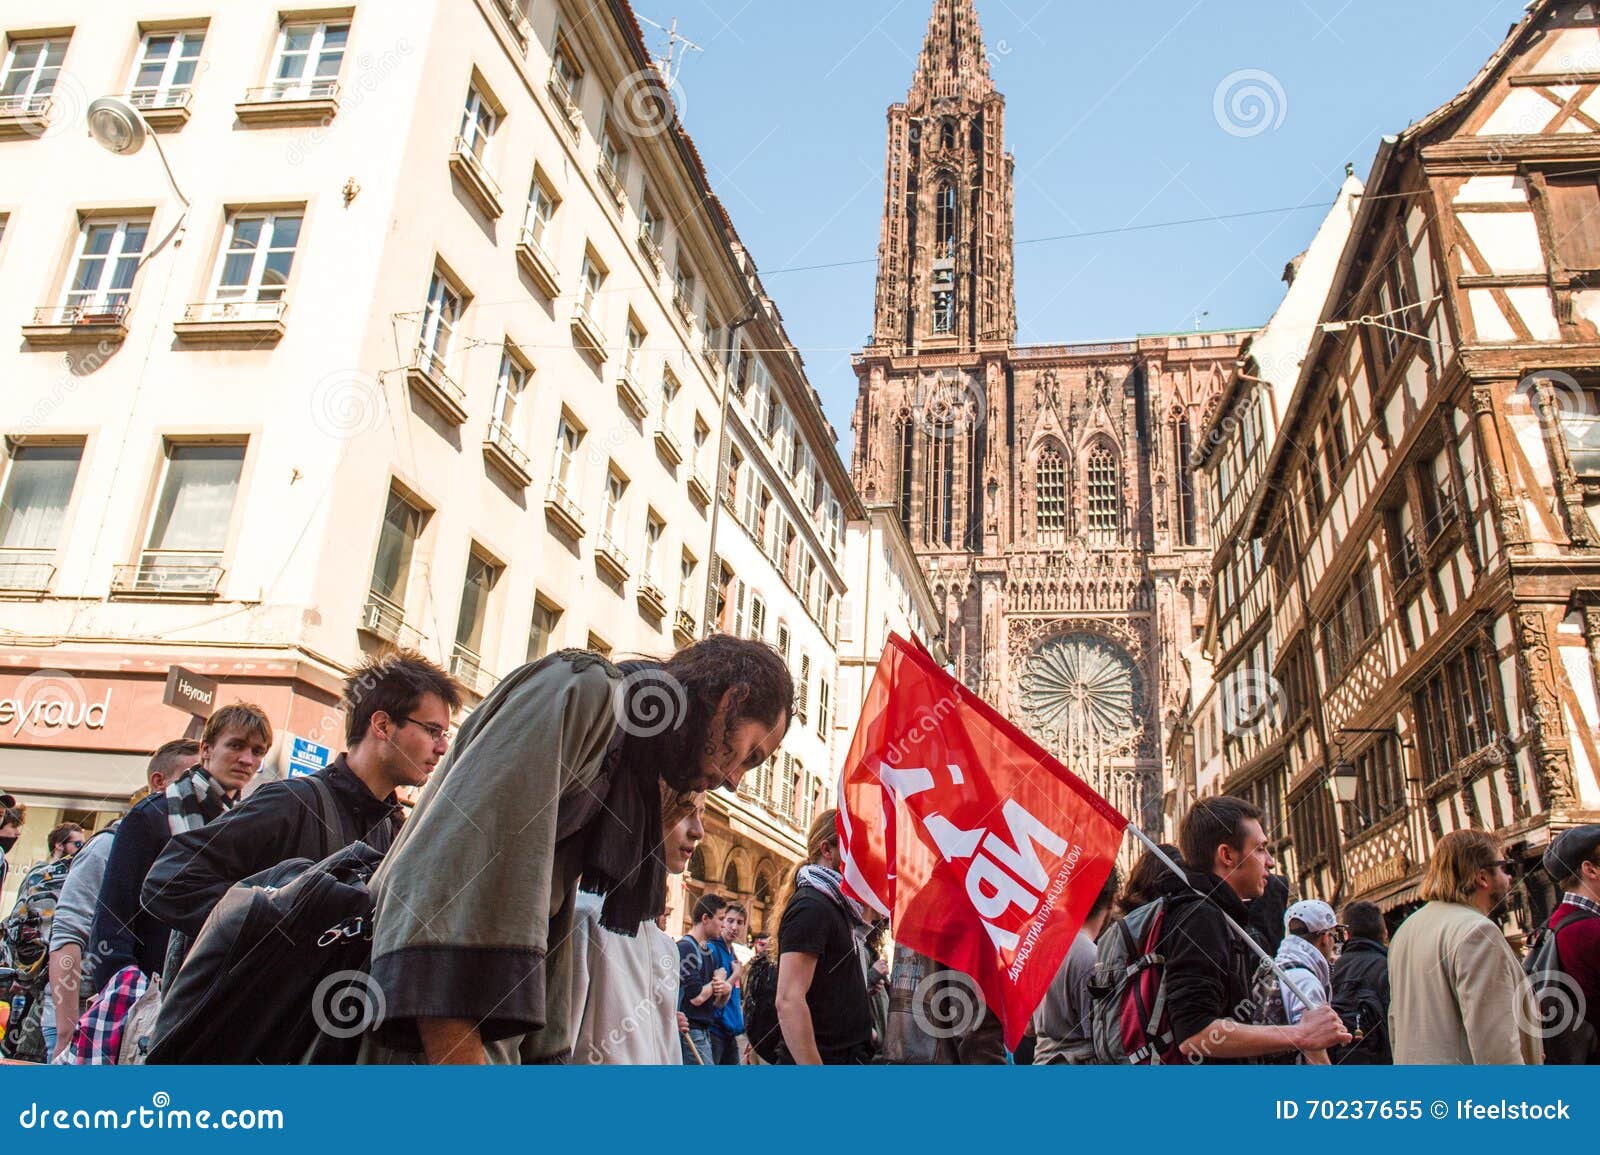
783 641
440 316
615 488
613 159
594 277
654 527
1433 720
903 443
944 239
598 645
478 122
634 339
1183 443
482 576
258 256
542 629
542 206
32 67
824 708
165 69
940 500
1352 620
1105 499
567 439
1052 493
33 511
686 568
1580 427
802 692
308 59
508 389
758 617
397 542
683 288
107 258
566 74
1380 782
944 302
189 527
1574 207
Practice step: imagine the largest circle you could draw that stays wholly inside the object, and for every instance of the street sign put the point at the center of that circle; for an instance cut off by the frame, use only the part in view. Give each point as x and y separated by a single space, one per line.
307 757
190 692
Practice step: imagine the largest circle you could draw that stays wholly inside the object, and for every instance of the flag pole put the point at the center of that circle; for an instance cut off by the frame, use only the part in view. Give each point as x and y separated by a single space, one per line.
1244 935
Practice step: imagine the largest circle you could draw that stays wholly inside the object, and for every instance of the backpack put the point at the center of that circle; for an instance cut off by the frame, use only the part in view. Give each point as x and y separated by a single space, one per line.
26 947
1129 987
279 973
1569 1038
760 1000
1366 1018
1266 1008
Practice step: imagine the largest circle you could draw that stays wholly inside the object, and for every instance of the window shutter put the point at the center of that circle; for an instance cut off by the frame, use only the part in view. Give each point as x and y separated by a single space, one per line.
803 691
738 608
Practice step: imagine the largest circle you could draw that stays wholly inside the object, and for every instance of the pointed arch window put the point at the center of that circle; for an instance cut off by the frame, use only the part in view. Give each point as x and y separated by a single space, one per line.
1183 444
939 509
1052 494
945 222
1105 501
902 453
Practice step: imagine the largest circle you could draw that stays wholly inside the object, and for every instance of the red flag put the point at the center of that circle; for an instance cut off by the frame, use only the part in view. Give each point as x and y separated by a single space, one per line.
983 849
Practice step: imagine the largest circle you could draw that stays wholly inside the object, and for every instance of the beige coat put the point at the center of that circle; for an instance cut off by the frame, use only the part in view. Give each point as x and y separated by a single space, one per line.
1456 990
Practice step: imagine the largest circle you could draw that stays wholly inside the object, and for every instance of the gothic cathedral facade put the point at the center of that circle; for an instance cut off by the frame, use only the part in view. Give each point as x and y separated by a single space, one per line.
1047 489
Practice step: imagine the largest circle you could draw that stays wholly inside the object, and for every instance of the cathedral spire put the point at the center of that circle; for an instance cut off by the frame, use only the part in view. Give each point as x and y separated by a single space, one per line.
953 61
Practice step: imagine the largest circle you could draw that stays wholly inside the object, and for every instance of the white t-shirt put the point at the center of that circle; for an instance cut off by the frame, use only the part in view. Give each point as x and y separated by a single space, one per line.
624 993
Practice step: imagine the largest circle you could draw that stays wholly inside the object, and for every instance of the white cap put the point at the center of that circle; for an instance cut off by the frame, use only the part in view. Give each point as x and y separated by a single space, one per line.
1312 913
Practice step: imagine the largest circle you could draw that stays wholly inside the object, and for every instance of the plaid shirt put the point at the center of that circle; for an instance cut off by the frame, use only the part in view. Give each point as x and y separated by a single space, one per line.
98 1038
1582 902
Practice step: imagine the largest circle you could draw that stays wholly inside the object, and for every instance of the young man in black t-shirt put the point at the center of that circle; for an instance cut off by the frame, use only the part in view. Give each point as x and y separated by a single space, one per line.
822 1001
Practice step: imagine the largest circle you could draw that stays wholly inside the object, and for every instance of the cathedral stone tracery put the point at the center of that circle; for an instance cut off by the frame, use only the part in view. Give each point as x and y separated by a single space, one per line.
1045 488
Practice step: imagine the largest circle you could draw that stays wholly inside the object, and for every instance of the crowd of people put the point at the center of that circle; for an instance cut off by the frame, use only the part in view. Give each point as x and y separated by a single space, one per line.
516 913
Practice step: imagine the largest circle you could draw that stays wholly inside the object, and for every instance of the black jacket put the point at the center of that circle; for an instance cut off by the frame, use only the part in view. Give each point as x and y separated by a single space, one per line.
124 933
1361 996
280 821
1209 970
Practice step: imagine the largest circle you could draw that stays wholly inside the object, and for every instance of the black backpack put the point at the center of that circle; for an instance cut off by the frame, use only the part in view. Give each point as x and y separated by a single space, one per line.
1361 1008
279 973
1569 1038
760 1002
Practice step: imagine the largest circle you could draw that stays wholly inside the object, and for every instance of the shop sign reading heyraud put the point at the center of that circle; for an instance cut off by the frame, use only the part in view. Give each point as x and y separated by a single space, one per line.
51 701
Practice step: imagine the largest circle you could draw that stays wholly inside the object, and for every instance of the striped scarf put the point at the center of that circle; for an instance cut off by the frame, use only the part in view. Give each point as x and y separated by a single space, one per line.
195 799
831 883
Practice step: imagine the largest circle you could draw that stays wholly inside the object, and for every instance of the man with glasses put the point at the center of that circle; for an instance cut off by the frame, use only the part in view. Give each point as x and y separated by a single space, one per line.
397 728
1458 995
1310 944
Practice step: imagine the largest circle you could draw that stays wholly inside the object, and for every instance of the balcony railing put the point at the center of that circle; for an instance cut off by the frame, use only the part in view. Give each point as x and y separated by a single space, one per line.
65 325
466 667
24 116
287 91
36 105
684 624
685 306
501 447
219 322
588 332
155 99
652 598
381 618
521 30
667 443
25 571
561 508
610 555
160 575
607 173
537 262
631 391
427 375
162 107
651 247
565 103
469 169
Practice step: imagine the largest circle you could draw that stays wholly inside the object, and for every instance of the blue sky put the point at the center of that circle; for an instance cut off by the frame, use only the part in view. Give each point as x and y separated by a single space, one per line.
1112 116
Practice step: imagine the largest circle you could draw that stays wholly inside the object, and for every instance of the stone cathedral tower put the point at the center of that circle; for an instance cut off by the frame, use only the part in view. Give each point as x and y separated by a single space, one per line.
1046 488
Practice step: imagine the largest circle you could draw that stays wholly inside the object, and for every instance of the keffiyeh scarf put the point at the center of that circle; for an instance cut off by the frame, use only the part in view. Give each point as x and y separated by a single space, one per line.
831 883
195 799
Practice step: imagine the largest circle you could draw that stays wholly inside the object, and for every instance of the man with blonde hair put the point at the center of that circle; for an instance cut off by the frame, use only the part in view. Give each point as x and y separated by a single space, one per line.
1458 995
